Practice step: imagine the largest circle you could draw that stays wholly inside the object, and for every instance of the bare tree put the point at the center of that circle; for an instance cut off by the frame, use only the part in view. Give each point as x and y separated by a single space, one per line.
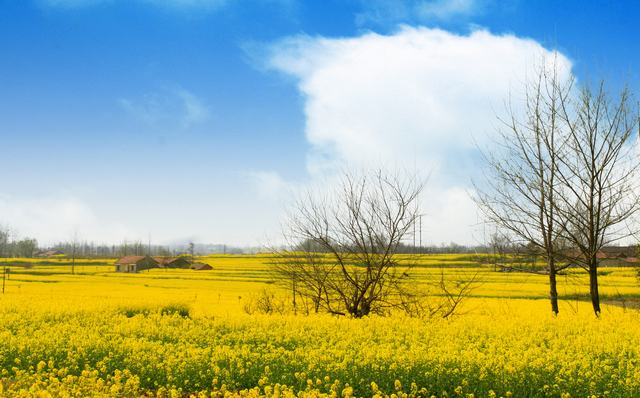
357 228
521 188
192 248
441 296
499 245
598 173
305 271
26 247
5 240
565 181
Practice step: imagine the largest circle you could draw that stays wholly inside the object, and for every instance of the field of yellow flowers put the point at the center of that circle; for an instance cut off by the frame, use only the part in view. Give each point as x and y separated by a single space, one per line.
180 333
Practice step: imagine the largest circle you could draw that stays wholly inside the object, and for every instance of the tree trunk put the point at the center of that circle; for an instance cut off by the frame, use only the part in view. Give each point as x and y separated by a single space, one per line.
293 290
593 286
553 289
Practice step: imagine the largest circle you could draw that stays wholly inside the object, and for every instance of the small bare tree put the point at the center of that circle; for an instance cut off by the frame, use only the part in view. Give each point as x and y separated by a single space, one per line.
440 296
306 271
353 233
500 246
599 177
5 240
520 193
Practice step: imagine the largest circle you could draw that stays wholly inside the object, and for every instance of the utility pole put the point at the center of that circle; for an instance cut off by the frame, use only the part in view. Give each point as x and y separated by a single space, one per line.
420 220
73 259
414 237
295 307
74 246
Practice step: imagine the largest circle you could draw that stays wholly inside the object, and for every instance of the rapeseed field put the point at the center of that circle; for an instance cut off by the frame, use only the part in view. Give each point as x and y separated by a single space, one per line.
182 333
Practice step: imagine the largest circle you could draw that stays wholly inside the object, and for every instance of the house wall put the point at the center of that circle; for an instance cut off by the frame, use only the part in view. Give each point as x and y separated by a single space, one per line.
141 265
615 262
126 268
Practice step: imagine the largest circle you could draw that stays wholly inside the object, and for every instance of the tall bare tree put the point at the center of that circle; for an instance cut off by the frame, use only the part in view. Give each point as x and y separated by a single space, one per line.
565 180
357 228
519 195
599 176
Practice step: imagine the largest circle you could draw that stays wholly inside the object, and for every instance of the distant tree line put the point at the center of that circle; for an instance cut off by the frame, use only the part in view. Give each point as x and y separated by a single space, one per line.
96 250
16 248
12 247
139 248
448 248
491 247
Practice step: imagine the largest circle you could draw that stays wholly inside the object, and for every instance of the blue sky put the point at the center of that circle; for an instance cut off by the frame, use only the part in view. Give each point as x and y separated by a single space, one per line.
194 119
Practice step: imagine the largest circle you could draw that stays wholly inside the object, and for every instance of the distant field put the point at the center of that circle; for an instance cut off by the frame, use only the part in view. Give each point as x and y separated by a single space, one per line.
235 278
168 332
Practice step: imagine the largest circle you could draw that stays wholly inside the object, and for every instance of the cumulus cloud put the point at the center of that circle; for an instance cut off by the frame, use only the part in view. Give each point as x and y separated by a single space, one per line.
420 99
175 106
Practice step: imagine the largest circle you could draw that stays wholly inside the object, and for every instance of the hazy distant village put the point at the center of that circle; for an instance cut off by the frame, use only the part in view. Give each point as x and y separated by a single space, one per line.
146 258
141 263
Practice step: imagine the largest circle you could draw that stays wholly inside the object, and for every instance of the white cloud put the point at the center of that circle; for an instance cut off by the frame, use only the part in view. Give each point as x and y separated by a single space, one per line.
270 185
175 106
53 219
450 216
420 98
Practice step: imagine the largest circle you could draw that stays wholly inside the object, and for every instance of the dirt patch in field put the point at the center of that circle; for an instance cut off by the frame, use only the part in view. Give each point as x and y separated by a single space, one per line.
632 303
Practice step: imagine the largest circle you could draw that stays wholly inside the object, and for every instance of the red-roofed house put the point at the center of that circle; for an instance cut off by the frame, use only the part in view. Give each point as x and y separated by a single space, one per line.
173 262
136 263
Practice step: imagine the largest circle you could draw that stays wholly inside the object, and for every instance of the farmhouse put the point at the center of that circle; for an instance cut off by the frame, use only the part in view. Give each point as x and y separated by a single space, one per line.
49 253
136 263
173 262
619 261
611 256
620 251
201 267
